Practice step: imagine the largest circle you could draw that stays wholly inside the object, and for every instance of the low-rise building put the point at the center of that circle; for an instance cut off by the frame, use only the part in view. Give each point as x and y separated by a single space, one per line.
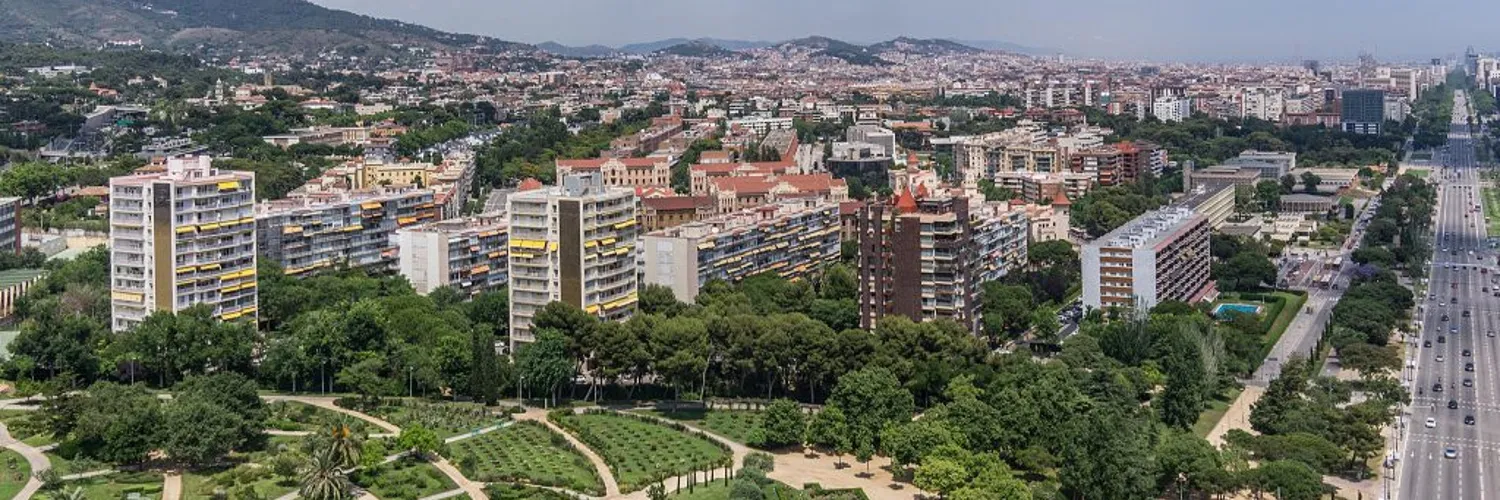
1270 164
1301 203
1330 180
1214 201
1040 187
791 238
469 254
662 212
622 172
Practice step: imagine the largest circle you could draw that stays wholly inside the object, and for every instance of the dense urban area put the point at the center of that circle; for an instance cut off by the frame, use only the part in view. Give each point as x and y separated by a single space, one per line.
293 252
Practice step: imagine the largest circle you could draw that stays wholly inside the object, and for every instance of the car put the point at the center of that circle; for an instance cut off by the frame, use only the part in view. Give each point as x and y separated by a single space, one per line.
1490 334
1431 422
1468 367
1438 387
1453 300
1431 296
1440 358
1466 353
1468 420
1453 404
1466 313
1426 343
1450 453
1445 317
1468 382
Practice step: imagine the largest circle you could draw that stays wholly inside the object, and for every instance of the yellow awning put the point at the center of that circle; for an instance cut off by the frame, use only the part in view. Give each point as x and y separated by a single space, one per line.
591 244
187 269
209 267
291 230
480 270
594 309
230 185
405 220
355 227
528 244
607 241
209 227
127 296
552 246
706 245
623 225
522 255
186 229
370 205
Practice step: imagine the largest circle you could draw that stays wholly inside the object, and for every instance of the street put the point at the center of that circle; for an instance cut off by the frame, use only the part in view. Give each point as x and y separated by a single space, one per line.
1454 458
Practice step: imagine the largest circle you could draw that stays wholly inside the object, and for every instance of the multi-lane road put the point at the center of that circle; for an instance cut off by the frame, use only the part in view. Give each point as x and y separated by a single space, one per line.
1450 443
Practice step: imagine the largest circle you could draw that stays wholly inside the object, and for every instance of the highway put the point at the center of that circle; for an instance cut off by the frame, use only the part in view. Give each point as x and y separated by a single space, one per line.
1455 353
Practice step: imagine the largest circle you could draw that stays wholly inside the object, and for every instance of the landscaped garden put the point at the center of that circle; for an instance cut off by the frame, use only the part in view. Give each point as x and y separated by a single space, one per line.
29 427
112 486
529 453
243 481
502 491
640 450
742 426
404 478
295 416
447 419
14 472
1277 310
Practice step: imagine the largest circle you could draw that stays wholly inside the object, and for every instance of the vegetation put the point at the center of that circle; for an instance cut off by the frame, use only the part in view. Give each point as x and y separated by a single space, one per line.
640 450
1210 141
445 419
403 478
526 452
295 416
528 149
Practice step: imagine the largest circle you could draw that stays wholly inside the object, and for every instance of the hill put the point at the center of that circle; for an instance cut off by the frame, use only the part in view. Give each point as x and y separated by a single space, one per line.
697 48
920 46
650 47
583 51
294 26
824 46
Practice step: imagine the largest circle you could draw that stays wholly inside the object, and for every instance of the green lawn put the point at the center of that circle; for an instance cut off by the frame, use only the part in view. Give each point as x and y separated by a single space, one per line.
717 490
641 451
405 478
502 491
14 472
447 419
27 426
1422 173
742 426
1216 408
236 482
1492 209
294 416
116 486
1284 319
529 453
1277 312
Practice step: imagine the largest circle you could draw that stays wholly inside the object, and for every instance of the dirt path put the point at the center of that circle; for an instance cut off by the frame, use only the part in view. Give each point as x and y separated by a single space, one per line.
171 488
797 469
475 490
611 486
1237 416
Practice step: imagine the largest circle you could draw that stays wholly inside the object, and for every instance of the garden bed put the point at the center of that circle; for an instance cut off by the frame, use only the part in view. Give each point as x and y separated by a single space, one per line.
295 416
446 419
14 472
641 450
527 453
741 426
404 478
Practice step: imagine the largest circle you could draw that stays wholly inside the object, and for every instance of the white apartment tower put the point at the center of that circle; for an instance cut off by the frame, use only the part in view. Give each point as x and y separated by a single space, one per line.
179 237
1263 103
1172 108
573 243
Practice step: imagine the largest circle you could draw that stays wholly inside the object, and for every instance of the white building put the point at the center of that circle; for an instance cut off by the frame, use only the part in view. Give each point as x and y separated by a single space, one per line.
760 125
573 243
872 134
1263 103
1161 255
469 254
1172 108
179 237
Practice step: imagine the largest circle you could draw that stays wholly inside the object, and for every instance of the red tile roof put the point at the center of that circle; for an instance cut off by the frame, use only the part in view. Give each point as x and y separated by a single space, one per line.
529 184
677 202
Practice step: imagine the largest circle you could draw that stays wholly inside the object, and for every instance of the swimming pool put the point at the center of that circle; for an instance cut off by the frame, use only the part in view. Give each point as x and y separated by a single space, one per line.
1222 310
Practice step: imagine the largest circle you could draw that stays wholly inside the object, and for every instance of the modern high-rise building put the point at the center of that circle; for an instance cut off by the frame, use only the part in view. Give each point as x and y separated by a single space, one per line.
10 225
180 237
468 254
925 259
1362 111
1161 255
792 239
573 243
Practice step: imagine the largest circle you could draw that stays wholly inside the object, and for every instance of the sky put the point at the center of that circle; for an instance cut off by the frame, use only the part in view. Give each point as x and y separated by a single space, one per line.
1157 30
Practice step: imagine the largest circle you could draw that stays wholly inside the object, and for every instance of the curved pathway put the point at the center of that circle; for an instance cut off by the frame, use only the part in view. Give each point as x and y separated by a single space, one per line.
611 486
326 402
34 457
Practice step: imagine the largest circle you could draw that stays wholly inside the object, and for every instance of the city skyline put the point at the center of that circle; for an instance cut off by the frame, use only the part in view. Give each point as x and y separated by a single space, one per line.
1320 30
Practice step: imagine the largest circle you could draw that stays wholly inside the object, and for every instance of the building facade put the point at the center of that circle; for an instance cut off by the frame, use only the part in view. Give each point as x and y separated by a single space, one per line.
573 243
1362 111
622 172
10 225
354 229
470 254
1172 108
1161 255
182 237
791 238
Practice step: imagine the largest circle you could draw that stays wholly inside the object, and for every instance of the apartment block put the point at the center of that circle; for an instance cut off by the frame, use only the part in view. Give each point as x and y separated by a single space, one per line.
10 225
1038 187
1362 111
354 229
450 181
179 237
1138 158
1161 255
925 259
573 243
1022 149
1172 108
622 172
1103 163
470 254
791 238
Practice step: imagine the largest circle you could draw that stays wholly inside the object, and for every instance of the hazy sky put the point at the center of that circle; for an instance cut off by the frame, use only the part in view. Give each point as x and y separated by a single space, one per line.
1148 29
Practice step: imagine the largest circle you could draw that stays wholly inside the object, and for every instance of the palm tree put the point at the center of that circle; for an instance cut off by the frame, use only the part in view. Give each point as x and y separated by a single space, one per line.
323 480
343 446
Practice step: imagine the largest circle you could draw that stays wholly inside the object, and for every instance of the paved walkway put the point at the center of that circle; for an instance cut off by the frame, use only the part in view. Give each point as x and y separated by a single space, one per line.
445 494
326 402
611 486
475 490
479 432
796 469
171 488
34 457
1237 416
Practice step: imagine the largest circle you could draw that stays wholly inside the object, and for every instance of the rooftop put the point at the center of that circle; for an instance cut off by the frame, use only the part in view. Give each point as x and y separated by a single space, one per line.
1148 229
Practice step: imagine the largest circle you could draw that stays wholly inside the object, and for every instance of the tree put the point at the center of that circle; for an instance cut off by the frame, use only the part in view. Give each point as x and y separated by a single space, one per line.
1310 182
419 440
871 398
906 443
784 424
234 394
838 283
830 429
343 446
680 351
1291 480
1190 460
117 423
1288 183
1246 271
485 377
940 475
545 364
658 299
1109 457
1044 326
1369 360
32 180
199 432
1007 309
1268 193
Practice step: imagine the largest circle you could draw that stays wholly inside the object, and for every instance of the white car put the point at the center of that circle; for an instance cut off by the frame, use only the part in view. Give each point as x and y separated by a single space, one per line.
1431 422
1450 453
1440 358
